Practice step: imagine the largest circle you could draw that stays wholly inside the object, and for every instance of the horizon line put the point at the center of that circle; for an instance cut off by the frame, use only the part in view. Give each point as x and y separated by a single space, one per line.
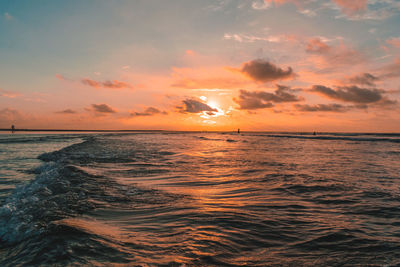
161 130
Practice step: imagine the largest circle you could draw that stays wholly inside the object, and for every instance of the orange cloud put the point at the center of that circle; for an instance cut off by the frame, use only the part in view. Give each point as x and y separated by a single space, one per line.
316 45
395 42
324 55
107 84
199 78
391 70
351 7
9 94
60 77
210 83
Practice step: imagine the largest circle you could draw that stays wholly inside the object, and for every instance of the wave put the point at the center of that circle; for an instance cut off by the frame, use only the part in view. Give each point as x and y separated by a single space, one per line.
64 188
332 137
37 139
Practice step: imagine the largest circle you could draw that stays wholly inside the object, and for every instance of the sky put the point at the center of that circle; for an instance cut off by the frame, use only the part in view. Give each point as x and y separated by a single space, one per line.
257 65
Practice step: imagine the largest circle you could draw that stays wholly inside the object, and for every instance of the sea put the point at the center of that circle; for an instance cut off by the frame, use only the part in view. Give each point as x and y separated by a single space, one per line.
199 199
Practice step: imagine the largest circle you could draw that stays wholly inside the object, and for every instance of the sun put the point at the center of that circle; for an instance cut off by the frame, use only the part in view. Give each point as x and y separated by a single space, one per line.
213 104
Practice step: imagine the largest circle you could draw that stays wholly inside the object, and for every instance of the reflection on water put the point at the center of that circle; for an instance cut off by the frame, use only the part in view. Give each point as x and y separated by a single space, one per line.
210 199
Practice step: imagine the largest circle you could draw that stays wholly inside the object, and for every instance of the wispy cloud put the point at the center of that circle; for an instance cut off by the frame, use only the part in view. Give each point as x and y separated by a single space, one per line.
395 42
351 7
333 55
7 16
209 83
248 38
66 111
391 70
260 5
115 84
362 79
9 94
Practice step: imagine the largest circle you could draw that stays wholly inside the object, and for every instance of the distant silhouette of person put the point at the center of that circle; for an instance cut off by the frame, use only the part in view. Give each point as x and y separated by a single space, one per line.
12 128
314 133
238 131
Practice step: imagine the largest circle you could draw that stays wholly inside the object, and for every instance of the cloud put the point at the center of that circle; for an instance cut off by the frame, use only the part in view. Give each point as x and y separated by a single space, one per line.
66 111
195 106
352 94
91 83
348 9
116 84
260 5
209 83
10 116
7 16
9 94
150 111
394 42
102 108
363 79
246 38
316 45
391 70
106 84
351 7
322 108
357 10
60 77
334 55
260 99
263 71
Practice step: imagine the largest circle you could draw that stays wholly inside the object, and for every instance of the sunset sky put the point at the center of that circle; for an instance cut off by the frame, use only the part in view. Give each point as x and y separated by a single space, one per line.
273 65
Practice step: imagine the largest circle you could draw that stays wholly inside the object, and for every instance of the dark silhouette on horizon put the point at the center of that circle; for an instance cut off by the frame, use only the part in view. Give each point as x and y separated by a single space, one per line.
12 128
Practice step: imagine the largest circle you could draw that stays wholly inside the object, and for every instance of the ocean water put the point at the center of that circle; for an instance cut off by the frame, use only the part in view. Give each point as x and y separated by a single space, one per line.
200 199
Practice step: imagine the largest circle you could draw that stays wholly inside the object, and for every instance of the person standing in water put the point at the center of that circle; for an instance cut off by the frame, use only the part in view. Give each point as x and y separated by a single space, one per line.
12 128
238 131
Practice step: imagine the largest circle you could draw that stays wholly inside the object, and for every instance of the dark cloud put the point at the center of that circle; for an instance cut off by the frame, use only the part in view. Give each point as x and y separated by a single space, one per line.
150 111
107 84
103 108
66 111
352 94
322 108
194 106
264 71
363 79
261 99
